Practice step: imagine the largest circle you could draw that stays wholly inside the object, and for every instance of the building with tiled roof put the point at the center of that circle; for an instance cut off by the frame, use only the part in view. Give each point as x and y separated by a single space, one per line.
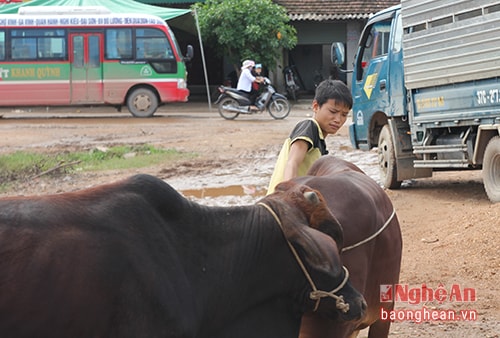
318 24
323 10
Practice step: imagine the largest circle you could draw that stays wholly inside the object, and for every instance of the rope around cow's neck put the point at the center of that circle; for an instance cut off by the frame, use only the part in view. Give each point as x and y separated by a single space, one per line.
315 294
372 236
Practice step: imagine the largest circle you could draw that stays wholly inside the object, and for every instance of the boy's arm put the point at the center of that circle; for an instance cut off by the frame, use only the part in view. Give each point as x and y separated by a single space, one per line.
298 151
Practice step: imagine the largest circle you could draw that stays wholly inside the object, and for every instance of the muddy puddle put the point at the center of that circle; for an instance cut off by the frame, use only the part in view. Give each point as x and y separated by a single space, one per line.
233 190
244 184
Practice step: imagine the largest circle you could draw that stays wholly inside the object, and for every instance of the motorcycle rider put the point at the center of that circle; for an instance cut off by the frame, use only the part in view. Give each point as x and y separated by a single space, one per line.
246 79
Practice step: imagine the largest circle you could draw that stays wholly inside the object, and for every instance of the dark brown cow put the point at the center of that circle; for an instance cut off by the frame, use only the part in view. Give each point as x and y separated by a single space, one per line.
136 259
363 209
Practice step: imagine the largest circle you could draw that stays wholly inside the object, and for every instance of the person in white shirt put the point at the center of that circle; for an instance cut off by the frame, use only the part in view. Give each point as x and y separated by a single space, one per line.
246 79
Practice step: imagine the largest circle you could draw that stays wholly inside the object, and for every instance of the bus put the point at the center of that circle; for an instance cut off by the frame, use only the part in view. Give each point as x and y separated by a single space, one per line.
62 56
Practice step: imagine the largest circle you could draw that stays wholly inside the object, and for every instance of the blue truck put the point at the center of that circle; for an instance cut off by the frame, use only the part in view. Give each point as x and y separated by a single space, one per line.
426 90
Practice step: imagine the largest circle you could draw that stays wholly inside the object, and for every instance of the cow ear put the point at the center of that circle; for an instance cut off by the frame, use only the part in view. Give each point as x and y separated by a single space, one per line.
312 205
284 186
321 218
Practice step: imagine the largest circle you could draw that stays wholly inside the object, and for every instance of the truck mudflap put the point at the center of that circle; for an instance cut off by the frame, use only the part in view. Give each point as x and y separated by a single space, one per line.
403 152
352 136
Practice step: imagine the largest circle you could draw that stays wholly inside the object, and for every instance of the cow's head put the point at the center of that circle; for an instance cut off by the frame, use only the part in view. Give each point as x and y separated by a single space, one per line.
313 206
304 217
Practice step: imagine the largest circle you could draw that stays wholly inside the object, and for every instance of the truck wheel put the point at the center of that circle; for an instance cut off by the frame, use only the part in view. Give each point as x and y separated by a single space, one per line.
142 102
387 160
491 169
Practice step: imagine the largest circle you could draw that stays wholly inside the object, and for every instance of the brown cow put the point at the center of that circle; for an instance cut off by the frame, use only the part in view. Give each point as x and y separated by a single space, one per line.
136 259
363 209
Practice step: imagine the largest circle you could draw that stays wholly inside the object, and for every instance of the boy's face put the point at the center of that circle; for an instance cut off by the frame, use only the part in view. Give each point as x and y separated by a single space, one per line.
330 116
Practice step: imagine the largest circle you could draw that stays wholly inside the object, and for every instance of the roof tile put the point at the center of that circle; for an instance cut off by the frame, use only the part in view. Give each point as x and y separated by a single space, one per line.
320 10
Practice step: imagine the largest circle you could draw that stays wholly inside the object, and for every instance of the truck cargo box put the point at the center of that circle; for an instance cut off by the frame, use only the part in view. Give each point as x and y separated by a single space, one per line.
450 41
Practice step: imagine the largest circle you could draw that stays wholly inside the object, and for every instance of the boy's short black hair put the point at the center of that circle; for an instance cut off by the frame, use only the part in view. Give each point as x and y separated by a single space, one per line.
333 89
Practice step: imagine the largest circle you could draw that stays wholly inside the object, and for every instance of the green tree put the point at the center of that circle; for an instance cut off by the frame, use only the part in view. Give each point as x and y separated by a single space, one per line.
246 29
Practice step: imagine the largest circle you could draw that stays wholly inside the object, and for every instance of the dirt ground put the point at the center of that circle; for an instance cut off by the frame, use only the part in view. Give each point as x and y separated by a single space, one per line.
450 229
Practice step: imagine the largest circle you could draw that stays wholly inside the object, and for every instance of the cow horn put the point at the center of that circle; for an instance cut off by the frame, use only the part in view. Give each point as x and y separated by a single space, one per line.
312 197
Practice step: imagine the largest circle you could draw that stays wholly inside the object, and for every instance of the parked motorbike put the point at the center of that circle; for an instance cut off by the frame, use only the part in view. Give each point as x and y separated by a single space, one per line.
291 85
233 102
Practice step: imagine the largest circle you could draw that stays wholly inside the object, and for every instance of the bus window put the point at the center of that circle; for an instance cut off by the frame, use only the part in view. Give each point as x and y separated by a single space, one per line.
119 44
153 44
94 60
2 45
58 48
38 44
78 51
51 47
23 47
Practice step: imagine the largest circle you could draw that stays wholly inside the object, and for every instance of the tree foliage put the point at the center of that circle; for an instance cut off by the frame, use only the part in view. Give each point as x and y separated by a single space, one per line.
246 29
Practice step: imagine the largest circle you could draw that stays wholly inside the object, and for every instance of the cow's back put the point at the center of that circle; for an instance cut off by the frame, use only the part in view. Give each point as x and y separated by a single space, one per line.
362 208
90 257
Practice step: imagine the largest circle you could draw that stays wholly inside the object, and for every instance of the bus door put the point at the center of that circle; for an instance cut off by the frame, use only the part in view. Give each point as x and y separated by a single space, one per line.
86 68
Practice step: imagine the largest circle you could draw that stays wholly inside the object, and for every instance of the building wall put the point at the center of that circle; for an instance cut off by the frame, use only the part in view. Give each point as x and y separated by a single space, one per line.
311 56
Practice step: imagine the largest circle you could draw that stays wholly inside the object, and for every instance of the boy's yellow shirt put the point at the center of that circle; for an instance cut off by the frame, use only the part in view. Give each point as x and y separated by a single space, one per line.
311 156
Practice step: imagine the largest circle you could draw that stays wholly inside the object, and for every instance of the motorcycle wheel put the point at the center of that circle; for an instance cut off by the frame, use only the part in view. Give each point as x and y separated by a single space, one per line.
279 108
225 108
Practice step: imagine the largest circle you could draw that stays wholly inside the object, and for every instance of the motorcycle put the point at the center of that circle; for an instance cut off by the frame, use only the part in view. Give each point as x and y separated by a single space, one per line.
291 86
233 102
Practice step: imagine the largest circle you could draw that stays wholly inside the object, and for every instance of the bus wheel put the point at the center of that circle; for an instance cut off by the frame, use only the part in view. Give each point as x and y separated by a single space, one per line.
491 169
142 102
387 160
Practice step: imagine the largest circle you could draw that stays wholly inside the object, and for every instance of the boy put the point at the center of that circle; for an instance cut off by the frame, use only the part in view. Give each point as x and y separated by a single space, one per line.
331 105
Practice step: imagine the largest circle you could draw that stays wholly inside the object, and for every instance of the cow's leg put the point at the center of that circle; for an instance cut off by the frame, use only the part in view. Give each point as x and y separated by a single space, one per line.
315 326
379 329
354 334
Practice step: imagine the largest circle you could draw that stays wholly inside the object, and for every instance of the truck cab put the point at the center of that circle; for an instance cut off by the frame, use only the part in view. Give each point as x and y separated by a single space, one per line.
425 86
377 73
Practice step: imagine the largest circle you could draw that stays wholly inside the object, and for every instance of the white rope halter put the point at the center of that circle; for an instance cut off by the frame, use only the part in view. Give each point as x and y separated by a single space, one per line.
372 236
315 293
